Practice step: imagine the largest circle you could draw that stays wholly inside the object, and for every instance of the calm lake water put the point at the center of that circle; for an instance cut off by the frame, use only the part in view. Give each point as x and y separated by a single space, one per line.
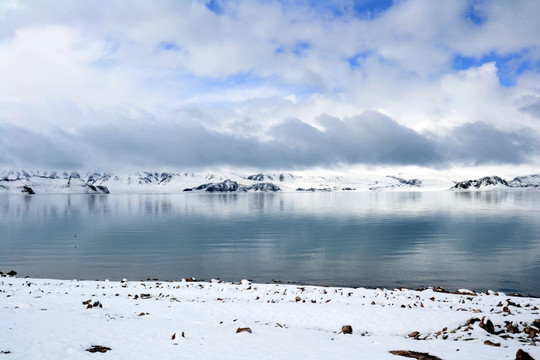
481 240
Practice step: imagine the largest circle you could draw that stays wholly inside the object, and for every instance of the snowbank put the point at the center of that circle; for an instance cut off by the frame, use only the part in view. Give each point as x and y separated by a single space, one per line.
57 319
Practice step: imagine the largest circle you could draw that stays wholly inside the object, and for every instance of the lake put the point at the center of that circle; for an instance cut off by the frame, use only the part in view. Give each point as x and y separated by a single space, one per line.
477 240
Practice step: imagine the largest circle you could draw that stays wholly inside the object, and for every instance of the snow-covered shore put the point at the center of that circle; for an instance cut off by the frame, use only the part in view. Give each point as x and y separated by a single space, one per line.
59 319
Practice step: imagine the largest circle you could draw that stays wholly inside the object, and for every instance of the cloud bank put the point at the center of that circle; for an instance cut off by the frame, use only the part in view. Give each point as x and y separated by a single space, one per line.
268 84
370 139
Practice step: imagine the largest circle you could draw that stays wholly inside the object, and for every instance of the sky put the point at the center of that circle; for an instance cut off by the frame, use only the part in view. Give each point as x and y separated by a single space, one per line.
269 84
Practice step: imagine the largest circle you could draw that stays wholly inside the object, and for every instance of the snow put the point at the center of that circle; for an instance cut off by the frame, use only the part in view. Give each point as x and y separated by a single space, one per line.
46 319
311 180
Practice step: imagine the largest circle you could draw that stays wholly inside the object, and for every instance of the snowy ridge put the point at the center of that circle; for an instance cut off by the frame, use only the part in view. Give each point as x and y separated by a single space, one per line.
22 181
494 182
48 182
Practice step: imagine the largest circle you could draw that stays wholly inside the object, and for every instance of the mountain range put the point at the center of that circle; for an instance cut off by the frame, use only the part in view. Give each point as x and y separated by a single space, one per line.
91 182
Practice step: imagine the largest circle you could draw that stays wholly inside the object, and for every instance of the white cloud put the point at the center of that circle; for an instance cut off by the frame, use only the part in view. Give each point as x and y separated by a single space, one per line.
73 64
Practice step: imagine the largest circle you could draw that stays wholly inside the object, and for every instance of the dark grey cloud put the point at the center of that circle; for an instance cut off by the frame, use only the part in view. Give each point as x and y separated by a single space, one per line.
370 138
481 143
532 109
21 147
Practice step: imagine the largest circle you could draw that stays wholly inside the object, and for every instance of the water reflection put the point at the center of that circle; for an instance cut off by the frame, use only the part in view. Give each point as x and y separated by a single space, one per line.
453 239
486 197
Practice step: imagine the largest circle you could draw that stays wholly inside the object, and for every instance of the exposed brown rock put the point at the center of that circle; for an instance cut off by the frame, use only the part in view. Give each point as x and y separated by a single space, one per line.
173 337
414 355
246 329
532 332
487 325
491 343
511 328
12 273
346 329
522 355
471 321
511 303
414 334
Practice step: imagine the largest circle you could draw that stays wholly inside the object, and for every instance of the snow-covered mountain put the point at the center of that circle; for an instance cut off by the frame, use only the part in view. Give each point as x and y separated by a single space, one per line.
48 182
23 181
495 182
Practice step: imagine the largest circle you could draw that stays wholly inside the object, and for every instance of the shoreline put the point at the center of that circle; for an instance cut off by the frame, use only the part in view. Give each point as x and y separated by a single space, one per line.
191 319
435 288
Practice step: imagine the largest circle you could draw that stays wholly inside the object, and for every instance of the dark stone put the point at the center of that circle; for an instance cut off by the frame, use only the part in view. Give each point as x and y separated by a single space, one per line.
188 189
103 189
414 355
491 343
246 329
346 329
28 190
174 336
472 321
414 334
522 355
12 273
487 325
532 332
98 348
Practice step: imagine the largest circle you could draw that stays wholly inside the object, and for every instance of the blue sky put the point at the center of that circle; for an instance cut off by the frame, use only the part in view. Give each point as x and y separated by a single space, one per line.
237 73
